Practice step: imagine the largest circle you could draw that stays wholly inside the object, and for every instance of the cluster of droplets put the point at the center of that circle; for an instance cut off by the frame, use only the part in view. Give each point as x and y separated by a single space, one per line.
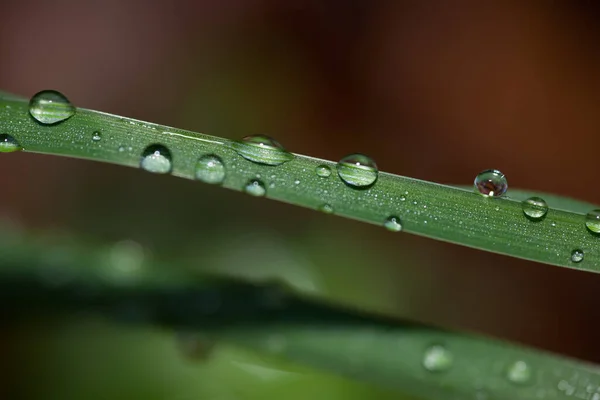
357 171
492 183
437 358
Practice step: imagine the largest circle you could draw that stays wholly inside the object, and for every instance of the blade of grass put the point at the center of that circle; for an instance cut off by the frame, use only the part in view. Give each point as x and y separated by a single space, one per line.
385 352
425 208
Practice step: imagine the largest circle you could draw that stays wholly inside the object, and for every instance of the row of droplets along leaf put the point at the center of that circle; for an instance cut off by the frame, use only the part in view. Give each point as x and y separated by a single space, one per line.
493 183
357 171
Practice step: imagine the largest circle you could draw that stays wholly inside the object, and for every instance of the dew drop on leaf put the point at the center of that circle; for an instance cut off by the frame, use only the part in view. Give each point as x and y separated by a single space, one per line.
255 187
156 158
210 169
323 171
535 208
357 170
577 255
96 136
592 221
491 183
437 359
262 149
519 372
50 107
393 224
9 144
326 208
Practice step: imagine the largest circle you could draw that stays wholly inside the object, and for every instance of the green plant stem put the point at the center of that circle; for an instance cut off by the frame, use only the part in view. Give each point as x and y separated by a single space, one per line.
272 320
425 208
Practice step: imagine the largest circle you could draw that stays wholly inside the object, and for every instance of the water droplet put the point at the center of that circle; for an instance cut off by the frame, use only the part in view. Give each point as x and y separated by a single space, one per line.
326 208
8 144
255 187
437 359
577 256
50 107
262 149
491 183
297 182
592 221
96 136
535 208
519 372
357 170
156 158
393 224
121 149
210 169
323 171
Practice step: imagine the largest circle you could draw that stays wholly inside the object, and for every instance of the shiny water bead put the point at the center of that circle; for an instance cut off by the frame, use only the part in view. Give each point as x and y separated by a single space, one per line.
255 187
491 183
96 136
357 170
8 144
323 171
156 158
210 169
519 372
437 359
535 208
50 107
592 221
393 224
262 149
577 256
326 208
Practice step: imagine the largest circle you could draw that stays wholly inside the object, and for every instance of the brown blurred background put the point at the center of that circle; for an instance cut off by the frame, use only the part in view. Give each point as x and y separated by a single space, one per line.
435 90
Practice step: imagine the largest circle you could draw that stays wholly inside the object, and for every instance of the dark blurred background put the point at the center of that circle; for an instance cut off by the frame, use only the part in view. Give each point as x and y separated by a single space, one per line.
435 90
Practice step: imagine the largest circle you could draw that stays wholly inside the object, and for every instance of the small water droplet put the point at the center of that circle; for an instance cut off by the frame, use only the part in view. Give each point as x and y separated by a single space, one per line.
262 149
121 149
50 107
402 198
577 255
9 144
535 208
491 183
210 169
357 170
323 171
326 208
296 182
255 187
96 136
519 372
437 359
393 224
156 158
592 221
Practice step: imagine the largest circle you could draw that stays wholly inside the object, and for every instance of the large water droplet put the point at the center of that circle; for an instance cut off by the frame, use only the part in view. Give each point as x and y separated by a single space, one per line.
210 169
156 158
491 183
8 144
255 187
326 208
592 221
393 224
96 136
577 255
519 372
437 359
357 170
50 107
262 149
323 171
535 208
